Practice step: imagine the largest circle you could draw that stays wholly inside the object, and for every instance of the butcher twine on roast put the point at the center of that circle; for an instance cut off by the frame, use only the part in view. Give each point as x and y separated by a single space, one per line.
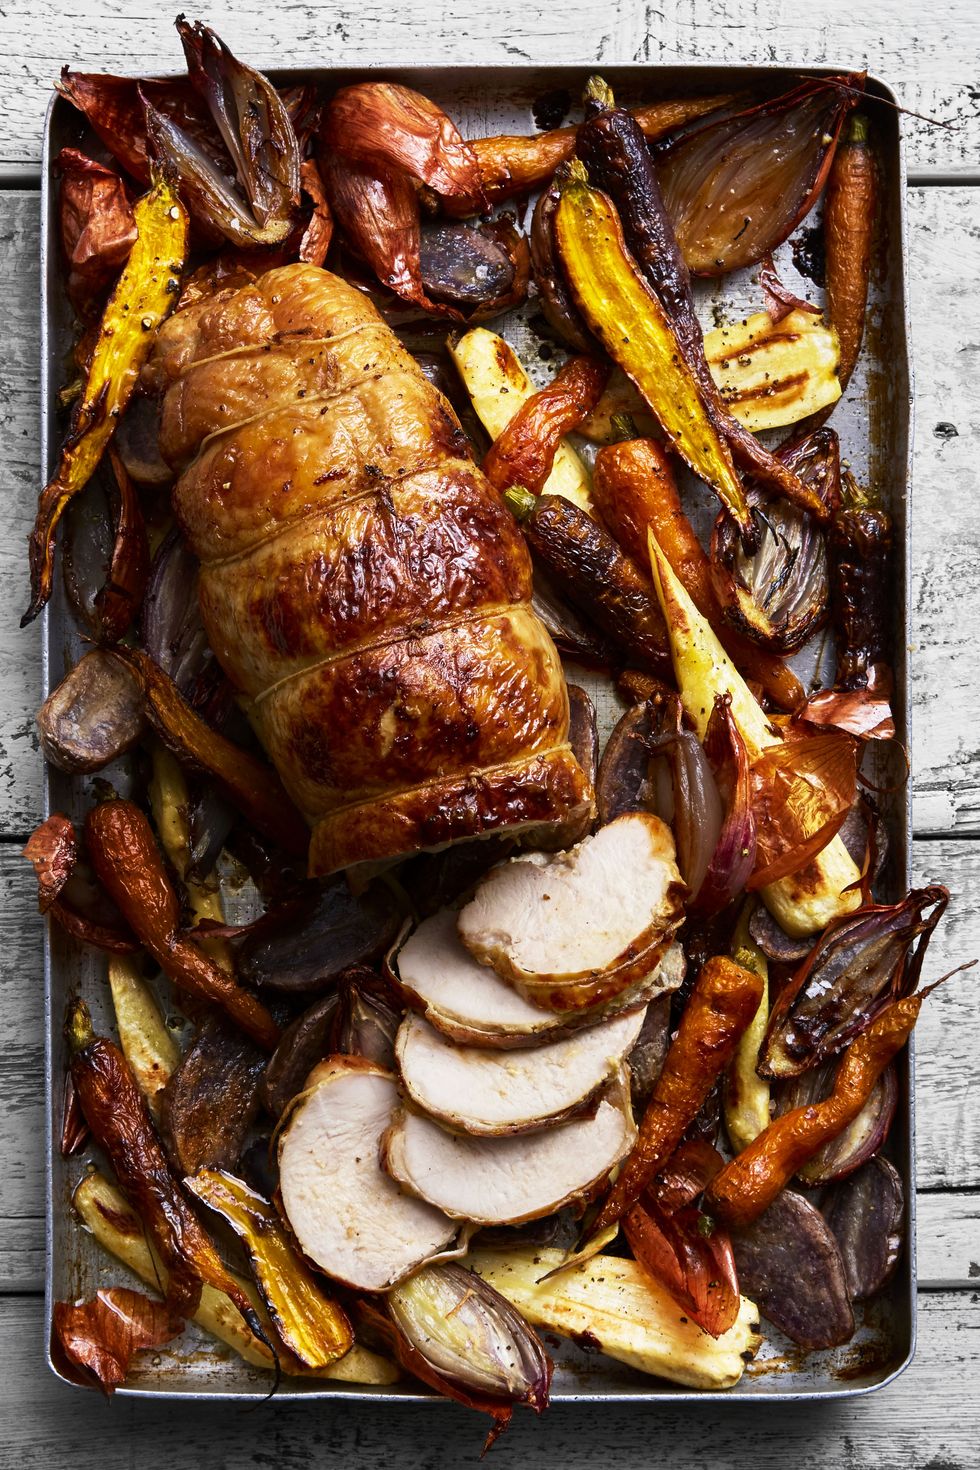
362 584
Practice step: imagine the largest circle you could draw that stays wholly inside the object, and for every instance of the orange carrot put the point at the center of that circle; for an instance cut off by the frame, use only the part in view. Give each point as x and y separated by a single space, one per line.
849 217
633 487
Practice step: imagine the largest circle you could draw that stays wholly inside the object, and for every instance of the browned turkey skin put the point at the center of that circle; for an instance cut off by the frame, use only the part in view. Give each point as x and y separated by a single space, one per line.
361 583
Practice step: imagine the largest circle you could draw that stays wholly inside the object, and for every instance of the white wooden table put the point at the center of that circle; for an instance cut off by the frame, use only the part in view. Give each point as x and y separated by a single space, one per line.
928 52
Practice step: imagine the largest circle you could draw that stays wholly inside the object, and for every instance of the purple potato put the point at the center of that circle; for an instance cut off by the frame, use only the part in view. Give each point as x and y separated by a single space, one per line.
789 1263
867 1216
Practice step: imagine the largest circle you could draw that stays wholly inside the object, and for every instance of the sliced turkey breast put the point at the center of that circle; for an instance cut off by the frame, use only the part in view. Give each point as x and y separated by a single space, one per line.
573 929
349 1217
480 1090
502 1181
468 1002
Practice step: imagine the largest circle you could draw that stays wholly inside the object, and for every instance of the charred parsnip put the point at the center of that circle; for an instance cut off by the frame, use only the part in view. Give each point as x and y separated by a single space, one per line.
170 804
615 1304
128 864
634 489
615 152
826 887
723 1002
525 452
147 1044
749 1184
745 1096
143 297
632 325
312 1326
120 1231
496 381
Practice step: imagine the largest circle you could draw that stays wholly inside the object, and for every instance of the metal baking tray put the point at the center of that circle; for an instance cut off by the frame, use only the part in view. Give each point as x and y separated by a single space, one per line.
874 423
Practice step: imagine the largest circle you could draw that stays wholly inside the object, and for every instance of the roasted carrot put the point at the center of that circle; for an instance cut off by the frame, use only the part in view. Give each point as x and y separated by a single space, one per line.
723 1002
116 1113
248 783
615 152
587 565
129 866
525 452
633 487
849 219
513 164
749 1184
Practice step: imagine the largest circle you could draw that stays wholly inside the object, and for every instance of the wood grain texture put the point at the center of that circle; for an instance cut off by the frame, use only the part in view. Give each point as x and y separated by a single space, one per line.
944 256
928 1420
926 53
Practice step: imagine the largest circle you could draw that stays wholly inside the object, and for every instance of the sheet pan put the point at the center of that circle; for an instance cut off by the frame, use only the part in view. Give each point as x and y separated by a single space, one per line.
874 423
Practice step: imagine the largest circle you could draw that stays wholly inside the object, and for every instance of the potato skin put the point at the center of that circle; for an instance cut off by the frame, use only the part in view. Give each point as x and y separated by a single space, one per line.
361 583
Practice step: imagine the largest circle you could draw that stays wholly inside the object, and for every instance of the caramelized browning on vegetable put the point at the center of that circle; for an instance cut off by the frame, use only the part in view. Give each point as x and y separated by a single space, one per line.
616 154
127 862
514 165
144 295
849 220
116 1113
723 1002
633 327
249 783
313 1327
100 1337
524 453
635 490
589 567
738 183
753 1179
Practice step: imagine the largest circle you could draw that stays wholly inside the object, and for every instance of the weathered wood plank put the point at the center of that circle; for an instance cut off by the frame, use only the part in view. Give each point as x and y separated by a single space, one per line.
928 1419
945 253
945 611
927 56
948 1035
20 669
948 1239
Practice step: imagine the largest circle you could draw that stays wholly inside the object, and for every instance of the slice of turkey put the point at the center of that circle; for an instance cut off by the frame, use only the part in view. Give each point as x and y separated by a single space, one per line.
349 1217
469 1002
503 1181
484 1091
574 929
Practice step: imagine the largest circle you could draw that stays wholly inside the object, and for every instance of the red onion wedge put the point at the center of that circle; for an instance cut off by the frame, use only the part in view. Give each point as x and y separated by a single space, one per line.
734 856
777 593
390 126
738 183
98 1338
96 224
460 1336
692 1260
802 791
861 963
377 211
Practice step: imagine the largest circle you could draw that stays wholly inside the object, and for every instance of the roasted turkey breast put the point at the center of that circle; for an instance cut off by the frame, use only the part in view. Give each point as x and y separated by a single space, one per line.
361 583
